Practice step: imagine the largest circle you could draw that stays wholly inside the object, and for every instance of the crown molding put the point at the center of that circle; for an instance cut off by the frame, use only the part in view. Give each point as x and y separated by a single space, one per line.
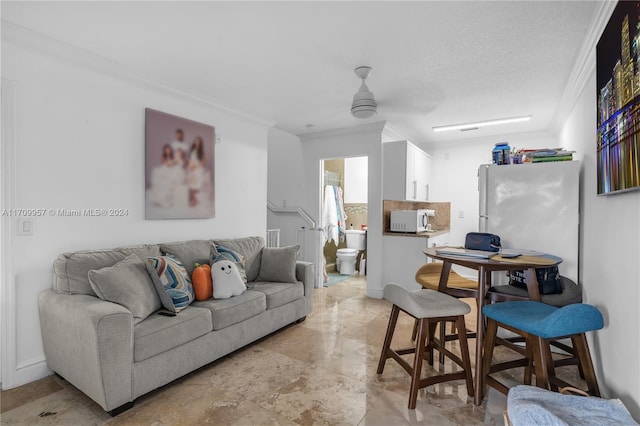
42 44
376 128
584 66
391 133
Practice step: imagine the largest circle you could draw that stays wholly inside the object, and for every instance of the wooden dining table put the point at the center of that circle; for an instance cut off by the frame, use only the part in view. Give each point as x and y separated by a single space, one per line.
485 267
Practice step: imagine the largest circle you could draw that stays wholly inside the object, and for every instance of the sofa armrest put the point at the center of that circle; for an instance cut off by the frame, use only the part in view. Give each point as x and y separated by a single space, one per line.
304 273
89 342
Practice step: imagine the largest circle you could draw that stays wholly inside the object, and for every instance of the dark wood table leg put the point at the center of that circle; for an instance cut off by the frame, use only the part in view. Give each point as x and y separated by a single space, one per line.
482 275
444 276
532 284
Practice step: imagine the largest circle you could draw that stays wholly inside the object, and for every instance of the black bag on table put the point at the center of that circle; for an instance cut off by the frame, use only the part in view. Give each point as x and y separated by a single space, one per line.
549 281
482 241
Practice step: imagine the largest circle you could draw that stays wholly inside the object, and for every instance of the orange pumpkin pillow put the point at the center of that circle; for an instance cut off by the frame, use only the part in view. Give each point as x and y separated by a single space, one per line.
201 281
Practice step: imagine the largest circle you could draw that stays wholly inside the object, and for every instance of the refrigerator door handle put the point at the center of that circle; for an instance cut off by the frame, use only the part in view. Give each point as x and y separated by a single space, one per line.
482 190
482 223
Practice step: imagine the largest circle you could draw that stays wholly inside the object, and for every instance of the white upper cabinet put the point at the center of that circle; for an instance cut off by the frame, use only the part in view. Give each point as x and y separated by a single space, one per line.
406 172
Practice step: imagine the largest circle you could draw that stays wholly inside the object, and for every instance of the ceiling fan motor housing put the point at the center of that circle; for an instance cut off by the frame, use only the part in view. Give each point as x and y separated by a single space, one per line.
364 102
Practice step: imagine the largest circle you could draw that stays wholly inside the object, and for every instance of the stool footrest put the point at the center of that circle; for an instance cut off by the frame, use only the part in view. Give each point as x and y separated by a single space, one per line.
566 361
453 357
508 365
405 351
428 381
511 345
454 337
496 385
404 364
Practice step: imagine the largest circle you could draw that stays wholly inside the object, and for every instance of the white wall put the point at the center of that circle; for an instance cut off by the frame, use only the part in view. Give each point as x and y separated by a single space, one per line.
355 180
455 174
303 186
610 261
80 144
286 184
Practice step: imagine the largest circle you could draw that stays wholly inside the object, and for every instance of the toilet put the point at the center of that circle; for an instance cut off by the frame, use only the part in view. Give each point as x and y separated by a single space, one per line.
356 241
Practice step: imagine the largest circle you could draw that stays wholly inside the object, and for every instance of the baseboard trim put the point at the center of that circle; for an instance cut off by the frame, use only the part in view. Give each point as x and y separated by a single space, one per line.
28 372
375 293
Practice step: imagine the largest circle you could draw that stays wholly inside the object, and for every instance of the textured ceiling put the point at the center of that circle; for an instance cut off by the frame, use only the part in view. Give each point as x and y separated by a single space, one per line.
291 63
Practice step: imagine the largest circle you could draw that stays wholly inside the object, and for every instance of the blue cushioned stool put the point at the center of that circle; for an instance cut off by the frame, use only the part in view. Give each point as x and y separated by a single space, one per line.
428 307
540 324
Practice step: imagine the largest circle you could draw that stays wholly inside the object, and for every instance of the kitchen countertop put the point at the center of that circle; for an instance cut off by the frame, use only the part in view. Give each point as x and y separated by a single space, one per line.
430 234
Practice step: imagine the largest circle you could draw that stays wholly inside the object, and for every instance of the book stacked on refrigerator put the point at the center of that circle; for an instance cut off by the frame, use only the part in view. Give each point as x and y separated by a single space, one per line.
546 155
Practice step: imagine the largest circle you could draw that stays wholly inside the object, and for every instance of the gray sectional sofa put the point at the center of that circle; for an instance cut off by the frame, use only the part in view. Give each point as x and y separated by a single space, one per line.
96 345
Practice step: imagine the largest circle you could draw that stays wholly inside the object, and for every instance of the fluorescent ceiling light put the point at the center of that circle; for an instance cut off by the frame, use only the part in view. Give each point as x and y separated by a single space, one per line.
477 124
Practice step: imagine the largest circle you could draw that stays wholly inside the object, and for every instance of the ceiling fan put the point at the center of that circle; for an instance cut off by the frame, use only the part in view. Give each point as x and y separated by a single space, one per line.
409 99
364 102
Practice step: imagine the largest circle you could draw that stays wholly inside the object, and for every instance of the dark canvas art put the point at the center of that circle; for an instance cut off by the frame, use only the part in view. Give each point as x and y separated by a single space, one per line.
618 80
179 172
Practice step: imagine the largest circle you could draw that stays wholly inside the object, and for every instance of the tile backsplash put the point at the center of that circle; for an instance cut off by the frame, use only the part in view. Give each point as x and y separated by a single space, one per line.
441 221
356 215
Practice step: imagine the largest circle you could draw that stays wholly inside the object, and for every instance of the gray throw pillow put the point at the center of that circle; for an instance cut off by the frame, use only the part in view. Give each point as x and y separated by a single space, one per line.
127 283
279 264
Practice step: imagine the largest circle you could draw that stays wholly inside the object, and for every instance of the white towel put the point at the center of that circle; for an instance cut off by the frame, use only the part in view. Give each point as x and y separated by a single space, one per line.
342 216
330 215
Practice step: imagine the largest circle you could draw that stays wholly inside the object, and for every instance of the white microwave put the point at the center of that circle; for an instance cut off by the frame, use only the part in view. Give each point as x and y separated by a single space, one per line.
412 221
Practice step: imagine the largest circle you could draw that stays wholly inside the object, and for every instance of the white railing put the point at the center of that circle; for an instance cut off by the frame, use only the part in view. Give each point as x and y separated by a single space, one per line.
273 238
297 210
310 239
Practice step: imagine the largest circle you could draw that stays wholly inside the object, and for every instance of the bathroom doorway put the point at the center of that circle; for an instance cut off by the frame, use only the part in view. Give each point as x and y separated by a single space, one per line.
344 217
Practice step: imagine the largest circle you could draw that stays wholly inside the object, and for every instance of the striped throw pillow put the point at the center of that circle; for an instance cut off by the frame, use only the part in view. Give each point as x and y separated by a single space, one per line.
172 282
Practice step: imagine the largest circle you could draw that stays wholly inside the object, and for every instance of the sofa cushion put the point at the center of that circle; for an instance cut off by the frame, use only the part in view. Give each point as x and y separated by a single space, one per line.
159 333
142 251
70 270
171 282
279 294
251 249
279 264
189 252
127 283
227 312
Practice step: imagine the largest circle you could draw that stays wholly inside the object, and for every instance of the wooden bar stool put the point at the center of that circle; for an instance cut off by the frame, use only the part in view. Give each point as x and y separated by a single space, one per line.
426 306
540 324
428 276
571 293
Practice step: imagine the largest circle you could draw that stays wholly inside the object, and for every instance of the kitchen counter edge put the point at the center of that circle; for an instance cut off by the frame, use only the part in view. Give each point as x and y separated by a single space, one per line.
414 235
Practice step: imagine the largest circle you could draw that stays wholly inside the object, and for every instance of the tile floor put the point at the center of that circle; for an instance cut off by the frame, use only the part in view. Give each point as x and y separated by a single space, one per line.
322 371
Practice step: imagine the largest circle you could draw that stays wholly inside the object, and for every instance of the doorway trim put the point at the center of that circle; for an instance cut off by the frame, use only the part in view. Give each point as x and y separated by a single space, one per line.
321 169
7 284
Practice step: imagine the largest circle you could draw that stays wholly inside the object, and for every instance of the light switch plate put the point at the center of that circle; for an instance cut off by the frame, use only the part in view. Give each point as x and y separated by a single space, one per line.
25 226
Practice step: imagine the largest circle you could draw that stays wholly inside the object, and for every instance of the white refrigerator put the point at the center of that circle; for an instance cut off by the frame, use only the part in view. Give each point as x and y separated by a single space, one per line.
533 206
